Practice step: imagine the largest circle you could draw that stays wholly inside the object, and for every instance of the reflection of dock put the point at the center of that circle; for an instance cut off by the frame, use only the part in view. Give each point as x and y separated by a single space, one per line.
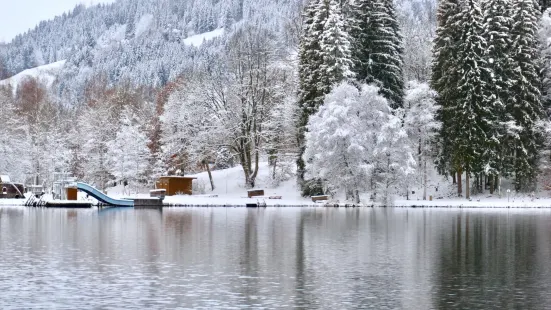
68 204
148 203
64 204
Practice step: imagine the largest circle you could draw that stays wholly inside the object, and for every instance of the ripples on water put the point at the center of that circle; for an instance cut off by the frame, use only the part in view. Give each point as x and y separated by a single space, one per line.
275 258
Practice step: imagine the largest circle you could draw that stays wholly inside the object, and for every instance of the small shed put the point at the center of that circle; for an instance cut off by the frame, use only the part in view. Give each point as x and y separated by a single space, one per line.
176 185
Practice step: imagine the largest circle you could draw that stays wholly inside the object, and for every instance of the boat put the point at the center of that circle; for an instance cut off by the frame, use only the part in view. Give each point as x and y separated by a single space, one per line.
11 190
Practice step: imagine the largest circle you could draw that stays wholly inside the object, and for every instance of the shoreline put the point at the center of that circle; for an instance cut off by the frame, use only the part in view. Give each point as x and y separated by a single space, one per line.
242 202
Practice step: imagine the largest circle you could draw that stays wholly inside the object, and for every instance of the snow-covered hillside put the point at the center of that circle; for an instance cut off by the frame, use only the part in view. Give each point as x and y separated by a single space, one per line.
197 40
46 74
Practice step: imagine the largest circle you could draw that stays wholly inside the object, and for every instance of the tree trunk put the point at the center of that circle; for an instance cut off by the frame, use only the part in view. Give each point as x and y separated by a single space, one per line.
459 184
425 177
256 164
348 193
467 184
210 175
275 167
454 176
357 194
492 184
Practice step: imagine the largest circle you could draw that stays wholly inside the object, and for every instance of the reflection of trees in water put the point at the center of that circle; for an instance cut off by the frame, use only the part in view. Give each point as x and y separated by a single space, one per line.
303 275
490 260
249 263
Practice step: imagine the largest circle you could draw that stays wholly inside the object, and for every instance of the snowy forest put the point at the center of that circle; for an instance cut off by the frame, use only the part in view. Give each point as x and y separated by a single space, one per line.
364 99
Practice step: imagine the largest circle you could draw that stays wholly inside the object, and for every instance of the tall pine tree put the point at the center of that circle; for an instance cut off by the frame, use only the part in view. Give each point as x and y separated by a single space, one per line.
310 60
378 50
325 61
525 107
497 33
334 50
472 129
444 79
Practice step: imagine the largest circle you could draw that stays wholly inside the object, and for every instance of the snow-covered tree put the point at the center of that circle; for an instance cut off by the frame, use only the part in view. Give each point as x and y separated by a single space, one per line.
14 141
475 139
378 50
334 49
229 106
545 41
311 96
394 159
420 110
128 154
444 78
525 107
354 139
417 22
497 33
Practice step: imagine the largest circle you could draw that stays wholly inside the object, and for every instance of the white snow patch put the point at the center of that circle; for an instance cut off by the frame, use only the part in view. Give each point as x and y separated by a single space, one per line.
198 39
46 74
144 24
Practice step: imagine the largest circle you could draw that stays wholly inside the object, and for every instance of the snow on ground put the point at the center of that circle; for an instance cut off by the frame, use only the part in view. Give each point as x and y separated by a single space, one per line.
197 40
12 202
230 190
479 202
47 74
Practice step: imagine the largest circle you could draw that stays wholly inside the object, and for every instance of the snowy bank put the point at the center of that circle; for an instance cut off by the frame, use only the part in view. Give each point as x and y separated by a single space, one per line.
46 74
478 202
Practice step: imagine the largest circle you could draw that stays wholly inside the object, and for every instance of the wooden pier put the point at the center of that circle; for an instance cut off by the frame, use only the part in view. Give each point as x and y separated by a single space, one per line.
148 203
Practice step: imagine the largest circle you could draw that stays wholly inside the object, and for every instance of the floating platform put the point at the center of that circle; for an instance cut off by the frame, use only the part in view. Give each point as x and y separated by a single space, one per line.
67 204
148 203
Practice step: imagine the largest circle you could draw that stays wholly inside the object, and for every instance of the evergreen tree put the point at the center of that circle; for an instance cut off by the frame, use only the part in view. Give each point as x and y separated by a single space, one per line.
472 129
310 97
497 33
525 107
378 47
443 79
544 4
312 86
335 50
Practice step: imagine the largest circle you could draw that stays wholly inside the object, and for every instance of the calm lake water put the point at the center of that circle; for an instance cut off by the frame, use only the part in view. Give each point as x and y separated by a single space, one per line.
275 258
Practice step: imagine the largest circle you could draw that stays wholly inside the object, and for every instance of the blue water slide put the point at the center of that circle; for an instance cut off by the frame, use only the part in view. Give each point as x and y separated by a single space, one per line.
101 197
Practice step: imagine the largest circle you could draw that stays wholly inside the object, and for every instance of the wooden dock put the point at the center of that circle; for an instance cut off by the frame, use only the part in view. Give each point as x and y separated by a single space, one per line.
148 203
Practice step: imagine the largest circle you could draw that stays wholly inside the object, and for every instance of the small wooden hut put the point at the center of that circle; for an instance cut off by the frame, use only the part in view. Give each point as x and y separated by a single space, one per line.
176 185
8 189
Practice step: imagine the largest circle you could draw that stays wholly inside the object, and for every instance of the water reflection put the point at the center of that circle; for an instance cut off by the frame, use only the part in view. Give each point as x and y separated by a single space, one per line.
275 258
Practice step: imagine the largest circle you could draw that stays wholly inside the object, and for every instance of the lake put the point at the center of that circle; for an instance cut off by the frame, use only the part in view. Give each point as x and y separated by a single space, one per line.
312 258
